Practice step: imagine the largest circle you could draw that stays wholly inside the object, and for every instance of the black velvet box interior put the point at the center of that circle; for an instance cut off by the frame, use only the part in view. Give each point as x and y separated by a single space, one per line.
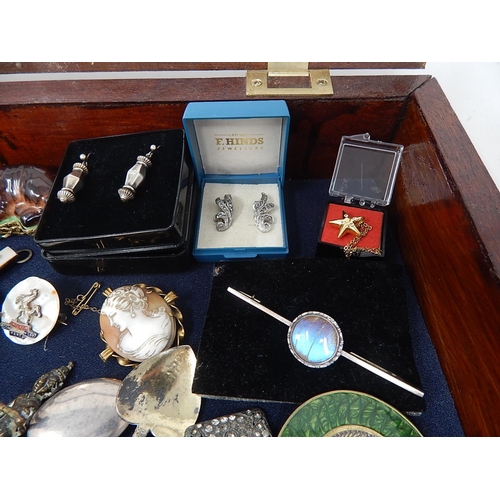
98 230
243 351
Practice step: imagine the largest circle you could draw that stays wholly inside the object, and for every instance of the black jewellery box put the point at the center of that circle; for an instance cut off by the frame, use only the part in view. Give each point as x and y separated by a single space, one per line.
361 188
98 232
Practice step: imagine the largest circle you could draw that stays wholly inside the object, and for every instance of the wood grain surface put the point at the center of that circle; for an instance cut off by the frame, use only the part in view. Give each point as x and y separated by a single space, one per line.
447 215
38 119
66 67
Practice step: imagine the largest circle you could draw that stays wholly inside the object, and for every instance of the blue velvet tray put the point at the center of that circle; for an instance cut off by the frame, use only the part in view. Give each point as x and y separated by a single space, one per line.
79 341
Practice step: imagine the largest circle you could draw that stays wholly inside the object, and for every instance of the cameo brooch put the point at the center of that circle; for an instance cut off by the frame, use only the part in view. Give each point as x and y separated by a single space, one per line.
137 322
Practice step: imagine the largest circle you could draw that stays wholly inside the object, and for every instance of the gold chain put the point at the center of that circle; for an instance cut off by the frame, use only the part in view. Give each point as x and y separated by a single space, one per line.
81 301
351 248
12 226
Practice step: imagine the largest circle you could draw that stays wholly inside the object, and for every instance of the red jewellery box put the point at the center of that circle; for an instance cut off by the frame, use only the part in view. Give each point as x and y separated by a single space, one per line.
362 185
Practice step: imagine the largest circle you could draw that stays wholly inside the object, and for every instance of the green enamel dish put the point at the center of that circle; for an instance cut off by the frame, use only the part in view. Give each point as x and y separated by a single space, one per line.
347 414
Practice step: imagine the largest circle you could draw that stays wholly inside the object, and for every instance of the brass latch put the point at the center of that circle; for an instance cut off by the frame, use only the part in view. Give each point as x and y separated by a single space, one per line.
259 81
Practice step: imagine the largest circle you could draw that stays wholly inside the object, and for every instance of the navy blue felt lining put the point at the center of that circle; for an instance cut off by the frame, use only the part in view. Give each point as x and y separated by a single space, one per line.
79 341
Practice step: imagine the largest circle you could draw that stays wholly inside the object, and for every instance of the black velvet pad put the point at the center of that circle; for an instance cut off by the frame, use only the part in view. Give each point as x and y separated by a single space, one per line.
151 258
98 215
244 354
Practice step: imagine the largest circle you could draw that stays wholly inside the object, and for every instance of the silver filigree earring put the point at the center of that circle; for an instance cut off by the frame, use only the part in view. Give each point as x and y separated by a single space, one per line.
224 218
261 217
73 182
136 175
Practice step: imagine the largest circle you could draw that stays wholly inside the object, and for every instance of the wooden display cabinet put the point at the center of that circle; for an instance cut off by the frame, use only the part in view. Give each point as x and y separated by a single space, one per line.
445 207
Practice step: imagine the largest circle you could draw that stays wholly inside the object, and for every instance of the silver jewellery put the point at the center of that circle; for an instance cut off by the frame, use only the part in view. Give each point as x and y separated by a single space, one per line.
248 423
315 339
136 175
30 311
84 409
261 217
157 397
224 218
73 182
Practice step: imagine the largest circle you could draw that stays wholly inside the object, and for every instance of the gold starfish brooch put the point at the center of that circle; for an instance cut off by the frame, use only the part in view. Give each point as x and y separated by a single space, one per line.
348 224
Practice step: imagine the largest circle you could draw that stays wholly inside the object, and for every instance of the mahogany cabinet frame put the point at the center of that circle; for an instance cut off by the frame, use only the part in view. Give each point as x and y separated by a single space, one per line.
445 207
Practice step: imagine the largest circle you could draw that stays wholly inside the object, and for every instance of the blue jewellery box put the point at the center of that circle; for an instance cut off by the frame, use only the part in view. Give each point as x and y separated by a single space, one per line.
239 153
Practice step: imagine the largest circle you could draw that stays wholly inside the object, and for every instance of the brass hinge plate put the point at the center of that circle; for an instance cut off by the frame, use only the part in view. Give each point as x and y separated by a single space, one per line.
320 82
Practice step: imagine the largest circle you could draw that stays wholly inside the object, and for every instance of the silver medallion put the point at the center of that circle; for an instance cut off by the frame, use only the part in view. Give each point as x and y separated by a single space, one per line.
86 409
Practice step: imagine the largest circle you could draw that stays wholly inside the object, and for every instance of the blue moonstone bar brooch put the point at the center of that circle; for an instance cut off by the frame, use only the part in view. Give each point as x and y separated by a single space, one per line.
315 339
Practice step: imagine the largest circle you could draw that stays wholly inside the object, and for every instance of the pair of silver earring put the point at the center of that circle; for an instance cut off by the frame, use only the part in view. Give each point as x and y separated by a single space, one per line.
73 182
261 217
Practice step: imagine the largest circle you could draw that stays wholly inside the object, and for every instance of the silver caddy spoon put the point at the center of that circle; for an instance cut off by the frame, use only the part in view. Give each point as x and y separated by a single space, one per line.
157 397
